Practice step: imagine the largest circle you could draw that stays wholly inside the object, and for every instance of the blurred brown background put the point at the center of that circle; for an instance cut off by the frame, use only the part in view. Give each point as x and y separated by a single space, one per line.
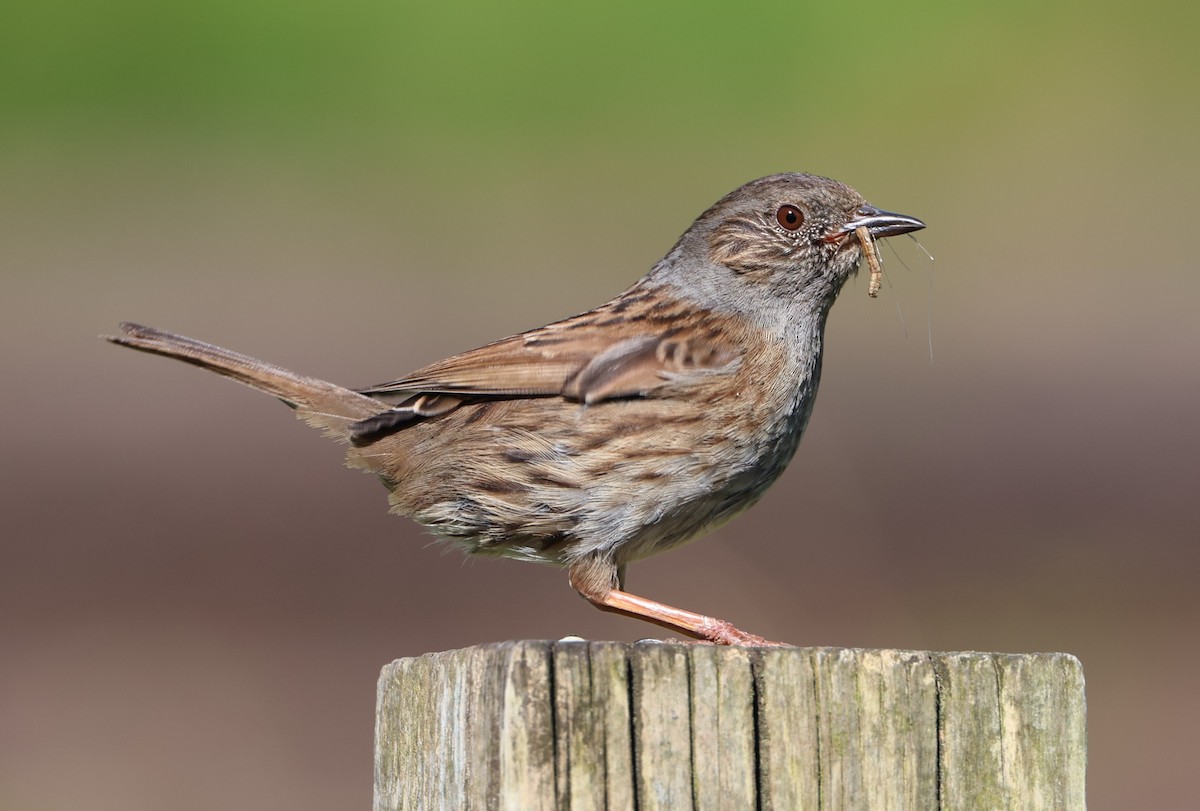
195 598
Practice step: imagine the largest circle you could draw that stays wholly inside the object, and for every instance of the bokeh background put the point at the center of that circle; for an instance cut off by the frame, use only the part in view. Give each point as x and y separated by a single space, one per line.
195 599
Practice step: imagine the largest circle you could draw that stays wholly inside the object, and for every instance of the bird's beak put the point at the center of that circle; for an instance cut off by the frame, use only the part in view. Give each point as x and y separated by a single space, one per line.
881 223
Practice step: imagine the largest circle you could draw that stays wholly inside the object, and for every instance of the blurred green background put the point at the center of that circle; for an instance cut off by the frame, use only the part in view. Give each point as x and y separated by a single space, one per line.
195 600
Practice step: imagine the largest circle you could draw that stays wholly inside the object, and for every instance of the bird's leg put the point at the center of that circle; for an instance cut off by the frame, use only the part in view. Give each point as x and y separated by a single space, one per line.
597 580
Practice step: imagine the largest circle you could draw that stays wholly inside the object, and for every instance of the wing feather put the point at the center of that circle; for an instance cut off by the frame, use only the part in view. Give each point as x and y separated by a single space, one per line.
601 355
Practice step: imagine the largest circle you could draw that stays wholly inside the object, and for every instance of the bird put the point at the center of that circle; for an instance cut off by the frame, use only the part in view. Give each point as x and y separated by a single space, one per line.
601 439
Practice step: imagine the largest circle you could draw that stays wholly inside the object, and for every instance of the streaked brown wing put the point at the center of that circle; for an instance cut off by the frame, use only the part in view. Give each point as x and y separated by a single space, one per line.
515 366
587 358
611 352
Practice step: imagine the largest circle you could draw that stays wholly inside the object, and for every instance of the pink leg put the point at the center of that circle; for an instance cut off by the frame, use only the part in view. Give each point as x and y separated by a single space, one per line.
593 580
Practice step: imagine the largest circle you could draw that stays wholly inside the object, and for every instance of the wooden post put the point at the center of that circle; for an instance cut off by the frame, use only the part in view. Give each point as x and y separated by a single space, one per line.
603 725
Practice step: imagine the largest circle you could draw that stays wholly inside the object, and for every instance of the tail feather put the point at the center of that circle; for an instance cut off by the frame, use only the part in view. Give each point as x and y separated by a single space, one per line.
323 405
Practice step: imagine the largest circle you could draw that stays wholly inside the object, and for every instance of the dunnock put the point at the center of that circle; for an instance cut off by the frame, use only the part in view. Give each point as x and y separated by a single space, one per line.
602 439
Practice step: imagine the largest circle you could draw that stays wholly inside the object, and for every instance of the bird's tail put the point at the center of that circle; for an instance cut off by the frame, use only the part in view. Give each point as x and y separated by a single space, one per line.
321 404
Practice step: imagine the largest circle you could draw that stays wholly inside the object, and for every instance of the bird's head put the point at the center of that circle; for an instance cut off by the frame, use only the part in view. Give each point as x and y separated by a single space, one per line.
791 234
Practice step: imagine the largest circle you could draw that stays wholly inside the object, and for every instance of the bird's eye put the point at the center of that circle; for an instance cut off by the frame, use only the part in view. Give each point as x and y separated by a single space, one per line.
790 217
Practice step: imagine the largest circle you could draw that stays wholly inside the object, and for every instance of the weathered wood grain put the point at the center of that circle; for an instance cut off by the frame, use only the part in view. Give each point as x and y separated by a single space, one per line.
582 726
